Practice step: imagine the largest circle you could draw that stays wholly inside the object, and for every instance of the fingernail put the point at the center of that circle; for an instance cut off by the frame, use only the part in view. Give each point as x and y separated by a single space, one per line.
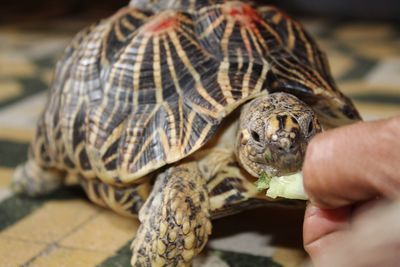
311 210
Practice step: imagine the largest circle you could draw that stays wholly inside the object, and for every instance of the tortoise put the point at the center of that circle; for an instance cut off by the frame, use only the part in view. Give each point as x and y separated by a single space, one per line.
170 110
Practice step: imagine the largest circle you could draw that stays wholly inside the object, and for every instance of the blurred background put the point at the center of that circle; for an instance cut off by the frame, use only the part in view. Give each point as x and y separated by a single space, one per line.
360 37
354 9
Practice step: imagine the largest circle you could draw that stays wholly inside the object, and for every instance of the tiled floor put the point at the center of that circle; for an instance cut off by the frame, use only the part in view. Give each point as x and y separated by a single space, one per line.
64 229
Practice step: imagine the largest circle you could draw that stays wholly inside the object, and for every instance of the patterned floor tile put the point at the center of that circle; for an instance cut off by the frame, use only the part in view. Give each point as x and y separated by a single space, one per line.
23 115
234 259
289 257
12 153
9 89
386 74
364 31
250 242
107 233
211 259
14 209
377 111
378 50
65 257
14 253
340 63
53 221
5 193
5 176
17 208
15 64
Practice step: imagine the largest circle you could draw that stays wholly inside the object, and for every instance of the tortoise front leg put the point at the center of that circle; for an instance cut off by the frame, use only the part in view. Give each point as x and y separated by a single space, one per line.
175 219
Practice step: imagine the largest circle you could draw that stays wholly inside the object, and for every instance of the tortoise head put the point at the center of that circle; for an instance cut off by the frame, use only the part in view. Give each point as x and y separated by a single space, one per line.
273 134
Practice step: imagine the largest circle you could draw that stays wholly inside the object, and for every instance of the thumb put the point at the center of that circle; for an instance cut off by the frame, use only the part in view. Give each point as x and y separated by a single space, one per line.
353 163
323 226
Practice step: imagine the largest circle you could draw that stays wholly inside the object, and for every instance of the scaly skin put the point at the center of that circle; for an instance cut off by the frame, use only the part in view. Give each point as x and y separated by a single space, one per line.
274 132
175 219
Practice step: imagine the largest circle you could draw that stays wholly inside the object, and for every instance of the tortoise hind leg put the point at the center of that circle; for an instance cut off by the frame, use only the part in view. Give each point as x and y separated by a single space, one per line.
33 180
38 176
175 219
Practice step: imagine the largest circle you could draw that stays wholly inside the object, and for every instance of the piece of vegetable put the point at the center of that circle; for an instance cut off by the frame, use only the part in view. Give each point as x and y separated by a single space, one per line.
263 182
290 186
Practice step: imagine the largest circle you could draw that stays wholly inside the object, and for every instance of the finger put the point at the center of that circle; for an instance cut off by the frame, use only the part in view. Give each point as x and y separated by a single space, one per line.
353 163
374 240
321 226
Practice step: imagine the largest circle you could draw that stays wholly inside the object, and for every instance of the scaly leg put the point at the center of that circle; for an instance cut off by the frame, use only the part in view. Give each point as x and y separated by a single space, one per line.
38 176
33 180
175 219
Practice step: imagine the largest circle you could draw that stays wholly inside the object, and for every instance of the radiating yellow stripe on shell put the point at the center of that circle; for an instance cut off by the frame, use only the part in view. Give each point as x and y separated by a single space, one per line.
127 24
193 41
89 174
269 29
137 68
172 123
189 127
157 69
202 110
143 148
118 32
291 38
224 81
239 57
262 77
223 73
196 76
202 137
212 27
246 81
246 41
309 48
171 67
257 46
224 43
126 159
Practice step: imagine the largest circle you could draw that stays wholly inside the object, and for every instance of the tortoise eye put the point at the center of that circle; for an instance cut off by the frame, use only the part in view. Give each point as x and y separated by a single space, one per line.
255 136
310 127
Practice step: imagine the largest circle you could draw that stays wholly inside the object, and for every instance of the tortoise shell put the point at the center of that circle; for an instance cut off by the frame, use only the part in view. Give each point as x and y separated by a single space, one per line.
143 89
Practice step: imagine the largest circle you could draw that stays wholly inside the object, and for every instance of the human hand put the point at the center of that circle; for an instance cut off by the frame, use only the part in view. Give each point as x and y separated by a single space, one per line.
345 171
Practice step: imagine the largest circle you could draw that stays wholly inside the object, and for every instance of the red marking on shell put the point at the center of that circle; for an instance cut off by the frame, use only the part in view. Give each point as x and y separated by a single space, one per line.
241 12
162 23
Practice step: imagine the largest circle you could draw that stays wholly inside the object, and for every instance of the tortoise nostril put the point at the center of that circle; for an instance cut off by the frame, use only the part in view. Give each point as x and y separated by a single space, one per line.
255 136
